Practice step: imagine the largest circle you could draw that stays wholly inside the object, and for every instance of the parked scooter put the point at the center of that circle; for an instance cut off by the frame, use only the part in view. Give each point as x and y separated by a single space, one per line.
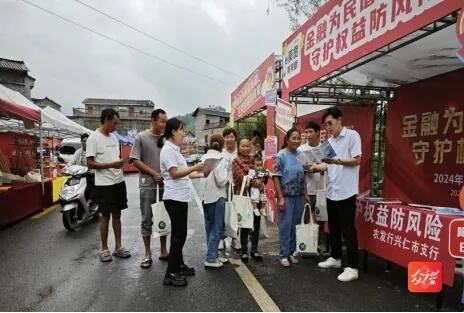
74 206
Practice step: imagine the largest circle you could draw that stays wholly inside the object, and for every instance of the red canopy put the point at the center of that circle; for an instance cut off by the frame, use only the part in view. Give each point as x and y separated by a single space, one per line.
15 105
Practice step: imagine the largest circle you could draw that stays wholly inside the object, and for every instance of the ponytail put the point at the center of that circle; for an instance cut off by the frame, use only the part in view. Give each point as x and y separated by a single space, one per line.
161 140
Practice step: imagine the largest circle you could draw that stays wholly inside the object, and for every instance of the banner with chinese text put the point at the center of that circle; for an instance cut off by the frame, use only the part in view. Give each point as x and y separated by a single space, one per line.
402 234
424 148
343 31
249 96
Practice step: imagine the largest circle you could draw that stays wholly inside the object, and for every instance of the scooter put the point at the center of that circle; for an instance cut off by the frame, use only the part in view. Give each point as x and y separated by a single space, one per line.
74 206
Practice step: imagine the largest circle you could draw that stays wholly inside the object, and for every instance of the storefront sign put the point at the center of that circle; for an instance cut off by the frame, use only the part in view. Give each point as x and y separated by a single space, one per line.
403 234
271 97
456 238
424 150
344 31
250 95
285 115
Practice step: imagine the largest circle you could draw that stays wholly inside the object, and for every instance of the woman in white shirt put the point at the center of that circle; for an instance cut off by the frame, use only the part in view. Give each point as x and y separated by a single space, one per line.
176 198
213 198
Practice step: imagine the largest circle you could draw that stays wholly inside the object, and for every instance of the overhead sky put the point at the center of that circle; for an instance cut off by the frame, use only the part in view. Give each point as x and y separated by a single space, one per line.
71 64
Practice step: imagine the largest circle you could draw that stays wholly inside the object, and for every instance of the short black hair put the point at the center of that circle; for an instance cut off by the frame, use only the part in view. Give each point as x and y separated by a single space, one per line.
108 114
156 113
333 111
84 136
313 125
256 133
229 131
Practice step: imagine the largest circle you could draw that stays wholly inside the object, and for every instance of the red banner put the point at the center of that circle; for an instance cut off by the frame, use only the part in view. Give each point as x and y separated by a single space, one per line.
359 119
424 149
403 234
250 95
343 31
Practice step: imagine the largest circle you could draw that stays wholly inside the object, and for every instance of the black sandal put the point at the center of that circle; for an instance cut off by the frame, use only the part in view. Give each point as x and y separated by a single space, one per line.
146 263
256 256
163 258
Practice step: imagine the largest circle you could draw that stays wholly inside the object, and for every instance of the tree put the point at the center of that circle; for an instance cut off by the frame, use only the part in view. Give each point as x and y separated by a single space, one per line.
299 10
246 127
216 108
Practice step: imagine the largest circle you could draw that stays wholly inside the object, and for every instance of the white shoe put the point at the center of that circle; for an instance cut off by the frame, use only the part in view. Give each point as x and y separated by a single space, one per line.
284 262
221 245
256 212
330 263
223 260
236 244
293 259
348 274
216 264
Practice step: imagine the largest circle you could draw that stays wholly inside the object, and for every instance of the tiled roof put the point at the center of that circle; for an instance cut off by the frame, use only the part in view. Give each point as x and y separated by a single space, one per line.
211 112
13 65
116 102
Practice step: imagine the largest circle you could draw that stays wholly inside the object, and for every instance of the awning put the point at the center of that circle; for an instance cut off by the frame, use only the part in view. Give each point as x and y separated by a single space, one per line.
16 106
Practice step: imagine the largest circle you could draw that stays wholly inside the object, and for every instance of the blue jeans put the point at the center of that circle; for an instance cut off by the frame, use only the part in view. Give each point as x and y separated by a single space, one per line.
214 225
288 219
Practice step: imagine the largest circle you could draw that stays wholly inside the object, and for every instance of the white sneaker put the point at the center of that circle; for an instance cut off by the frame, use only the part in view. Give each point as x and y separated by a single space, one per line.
348 274
293 259
221 245
256 212
236 244
330 263
216 264
223 260
284 262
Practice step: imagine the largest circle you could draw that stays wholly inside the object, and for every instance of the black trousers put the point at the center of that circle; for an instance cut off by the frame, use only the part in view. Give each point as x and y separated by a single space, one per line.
245 233
178 212
341 222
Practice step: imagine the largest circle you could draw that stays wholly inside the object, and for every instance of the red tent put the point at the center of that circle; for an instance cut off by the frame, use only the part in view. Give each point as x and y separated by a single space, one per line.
14 105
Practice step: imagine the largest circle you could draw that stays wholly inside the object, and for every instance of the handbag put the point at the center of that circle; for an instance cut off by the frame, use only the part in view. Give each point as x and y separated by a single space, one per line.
307 235
230 216
161 220
321 201
244 207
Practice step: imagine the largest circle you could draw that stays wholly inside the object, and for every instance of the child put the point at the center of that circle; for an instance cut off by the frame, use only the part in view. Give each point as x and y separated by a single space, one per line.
257 178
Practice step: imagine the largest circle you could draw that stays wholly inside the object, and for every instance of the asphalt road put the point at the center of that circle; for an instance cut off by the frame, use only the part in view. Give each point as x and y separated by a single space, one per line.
46 268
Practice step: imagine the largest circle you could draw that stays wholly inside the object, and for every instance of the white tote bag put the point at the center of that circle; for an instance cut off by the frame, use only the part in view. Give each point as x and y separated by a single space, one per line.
321 201
161 220
244 208
230 217
307 235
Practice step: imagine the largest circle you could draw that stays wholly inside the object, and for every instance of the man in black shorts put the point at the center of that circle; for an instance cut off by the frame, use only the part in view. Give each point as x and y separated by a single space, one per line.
103 156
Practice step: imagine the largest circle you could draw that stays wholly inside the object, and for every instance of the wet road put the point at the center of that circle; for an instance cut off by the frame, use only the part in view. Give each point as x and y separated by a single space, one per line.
46 268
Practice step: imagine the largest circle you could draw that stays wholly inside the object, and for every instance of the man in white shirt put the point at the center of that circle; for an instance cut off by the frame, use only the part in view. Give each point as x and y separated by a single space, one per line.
342 189
313 180
103 155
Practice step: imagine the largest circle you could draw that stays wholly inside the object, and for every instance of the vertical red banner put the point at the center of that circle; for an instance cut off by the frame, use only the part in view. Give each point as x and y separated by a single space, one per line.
424 152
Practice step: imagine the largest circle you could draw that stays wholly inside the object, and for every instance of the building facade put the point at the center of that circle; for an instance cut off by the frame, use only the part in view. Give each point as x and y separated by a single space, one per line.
133 114
46 102
209 122
15 75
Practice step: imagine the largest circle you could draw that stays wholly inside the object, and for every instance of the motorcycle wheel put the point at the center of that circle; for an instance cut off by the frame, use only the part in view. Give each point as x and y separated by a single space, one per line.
70 221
